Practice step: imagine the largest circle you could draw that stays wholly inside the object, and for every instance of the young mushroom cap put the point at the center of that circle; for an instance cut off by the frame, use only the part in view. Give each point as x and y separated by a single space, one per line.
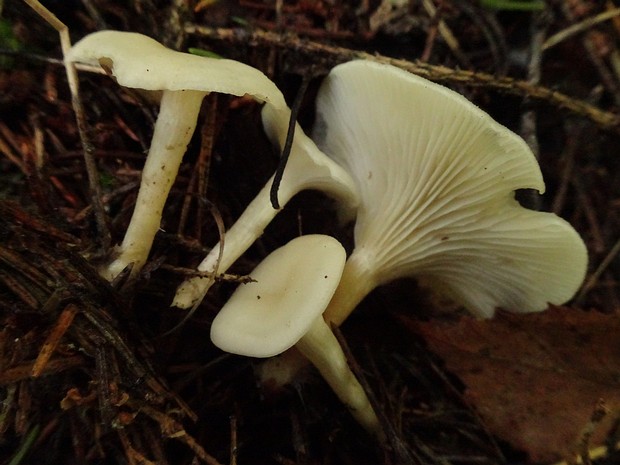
139 62
284 307
437 178
291 287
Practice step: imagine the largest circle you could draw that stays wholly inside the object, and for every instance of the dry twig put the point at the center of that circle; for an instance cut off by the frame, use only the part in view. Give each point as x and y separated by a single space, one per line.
333 55
78 108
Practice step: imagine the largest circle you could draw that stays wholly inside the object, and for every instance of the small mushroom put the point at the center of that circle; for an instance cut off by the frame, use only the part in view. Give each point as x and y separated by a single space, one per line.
307 168
283 308
139 62
437 178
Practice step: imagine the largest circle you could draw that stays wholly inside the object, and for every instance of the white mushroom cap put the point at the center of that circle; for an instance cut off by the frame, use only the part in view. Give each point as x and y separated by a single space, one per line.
284 307
293 286
137 61
140 62
437 179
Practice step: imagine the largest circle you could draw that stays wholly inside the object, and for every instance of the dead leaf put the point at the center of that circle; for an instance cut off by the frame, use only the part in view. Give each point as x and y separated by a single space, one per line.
535 378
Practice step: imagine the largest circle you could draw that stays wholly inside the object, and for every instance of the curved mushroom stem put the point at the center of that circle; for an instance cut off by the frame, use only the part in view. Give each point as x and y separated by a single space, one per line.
308 168
238 239
322 348
173 131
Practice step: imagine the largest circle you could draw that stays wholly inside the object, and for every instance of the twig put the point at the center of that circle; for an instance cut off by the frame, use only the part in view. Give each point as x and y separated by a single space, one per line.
538 29
486 20
203 164
580 27
107 376
334 55
200 176
47 350
597 241
22 291
513 5
431 34
8 148
587 287
574 134
95 15
23 372
445 32
607 77
288 143
219 221
89 159
133 456
26 445
173 429
103 327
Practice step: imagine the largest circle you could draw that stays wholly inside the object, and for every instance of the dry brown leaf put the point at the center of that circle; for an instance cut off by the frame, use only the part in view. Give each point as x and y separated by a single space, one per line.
536 378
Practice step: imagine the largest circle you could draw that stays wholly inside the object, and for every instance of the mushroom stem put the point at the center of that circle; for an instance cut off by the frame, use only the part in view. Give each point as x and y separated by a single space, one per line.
322 348
173 131
238 239
356 282
308 168
358 279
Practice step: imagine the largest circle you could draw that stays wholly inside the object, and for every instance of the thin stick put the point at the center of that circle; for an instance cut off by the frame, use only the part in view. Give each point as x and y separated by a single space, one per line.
446 33
334 55
192 272
172 429
219 221
288 143
197 186
593 280
51 343
577 28
595 56
538 29
574 134
26 445
89 159
207 137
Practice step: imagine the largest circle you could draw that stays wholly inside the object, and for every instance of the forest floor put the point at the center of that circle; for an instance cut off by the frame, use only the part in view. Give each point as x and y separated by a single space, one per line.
98 374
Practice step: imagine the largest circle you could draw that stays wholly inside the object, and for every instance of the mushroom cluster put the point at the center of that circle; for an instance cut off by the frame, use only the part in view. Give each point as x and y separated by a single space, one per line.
436 178
429 178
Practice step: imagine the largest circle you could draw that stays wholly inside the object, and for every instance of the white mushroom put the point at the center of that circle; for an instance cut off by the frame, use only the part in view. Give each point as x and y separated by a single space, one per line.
284 307
437 180
307 168
139 62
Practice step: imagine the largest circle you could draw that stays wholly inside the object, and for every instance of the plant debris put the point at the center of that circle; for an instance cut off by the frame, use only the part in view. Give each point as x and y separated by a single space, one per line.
91 373
536 379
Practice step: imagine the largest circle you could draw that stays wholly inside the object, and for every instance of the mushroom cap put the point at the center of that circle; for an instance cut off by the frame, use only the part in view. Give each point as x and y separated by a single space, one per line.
140 62
437 177
292 287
